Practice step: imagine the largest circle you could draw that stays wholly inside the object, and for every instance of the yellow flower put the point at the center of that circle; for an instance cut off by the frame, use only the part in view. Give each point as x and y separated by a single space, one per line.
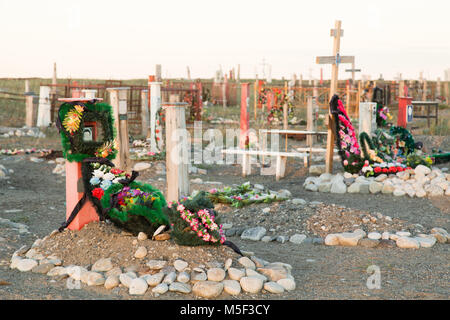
79 109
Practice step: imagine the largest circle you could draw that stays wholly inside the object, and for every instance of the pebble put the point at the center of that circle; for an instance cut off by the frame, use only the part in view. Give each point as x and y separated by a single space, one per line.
126 278
43 268
57 271
368 243
282 239
140 253
228 264
232 287
331 239
235 274
216 274
251 284
180 287
403 233
274 273
156 264
385 235
112 282
25 265
142 236
254 234
102 265
247 263
95 279
348 238
117 271
169 278
253 273
180 265
207 289
198 276
408 243
273 287
287 283
183 277
298 201
161 288
426 242
374 235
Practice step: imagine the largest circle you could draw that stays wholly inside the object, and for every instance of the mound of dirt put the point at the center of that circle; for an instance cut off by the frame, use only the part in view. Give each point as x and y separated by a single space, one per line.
103 240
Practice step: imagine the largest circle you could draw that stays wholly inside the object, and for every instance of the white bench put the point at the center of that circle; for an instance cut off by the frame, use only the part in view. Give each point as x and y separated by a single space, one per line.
281 158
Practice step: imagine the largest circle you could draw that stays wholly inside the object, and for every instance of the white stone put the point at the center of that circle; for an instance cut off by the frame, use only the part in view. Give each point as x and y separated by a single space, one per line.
126 278
247 263
25 265
156 264
381 177
422 170
207 289
387 188
297 238
142 236
161 288
348 238
253 273
140 253
298 201
338 187
331 240
312 187
232 287
403 233
57 271
169 278
316 170
75 272
273 287
426 242
180 287
288 284
180 265
385 235
228 264
216 274
375 187
112 282
361 232
398 192
102 265
354 187
374 235
251 284
155 279
95 279
183 277
408 243
254 234
235 274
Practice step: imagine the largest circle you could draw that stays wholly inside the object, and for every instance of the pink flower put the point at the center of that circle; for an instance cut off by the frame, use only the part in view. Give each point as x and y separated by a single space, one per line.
213 190
345 163
180 208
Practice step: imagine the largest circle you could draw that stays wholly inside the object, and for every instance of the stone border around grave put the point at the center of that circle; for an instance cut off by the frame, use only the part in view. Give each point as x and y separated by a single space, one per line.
248 274
419 182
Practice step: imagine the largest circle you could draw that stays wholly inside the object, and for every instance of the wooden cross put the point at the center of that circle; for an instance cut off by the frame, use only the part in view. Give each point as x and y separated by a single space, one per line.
334 60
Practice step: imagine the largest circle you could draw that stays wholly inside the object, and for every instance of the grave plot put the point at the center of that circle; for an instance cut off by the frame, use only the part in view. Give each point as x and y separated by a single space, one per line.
88 250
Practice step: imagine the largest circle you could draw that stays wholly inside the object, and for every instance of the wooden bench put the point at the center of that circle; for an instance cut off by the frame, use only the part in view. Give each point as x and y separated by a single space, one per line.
281 158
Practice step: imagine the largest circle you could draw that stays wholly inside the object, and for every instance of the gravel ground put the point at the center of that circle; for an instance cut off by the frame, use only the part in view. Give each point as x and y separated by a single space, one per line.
35 197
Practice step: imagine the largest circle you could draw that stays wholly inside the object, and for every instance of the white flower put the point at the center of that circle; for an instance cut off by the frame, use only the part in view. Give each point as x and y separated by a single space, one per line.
116 180
108 176
98 173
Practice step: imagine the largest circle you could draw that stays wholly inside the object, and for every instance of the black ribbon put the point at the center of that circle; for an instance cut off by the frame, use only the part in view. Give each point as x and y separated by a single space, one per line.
74 213
233 246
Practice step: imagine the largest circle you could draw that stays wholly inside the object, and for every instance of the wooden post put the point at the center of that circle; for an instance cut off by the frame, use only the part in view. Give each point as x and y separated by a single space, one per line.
224 92
425 89
239 73
438 88
30 118
118 100
177 160
347 102
27 86
53 92
447 89
188 73
255 97
285 113
310 121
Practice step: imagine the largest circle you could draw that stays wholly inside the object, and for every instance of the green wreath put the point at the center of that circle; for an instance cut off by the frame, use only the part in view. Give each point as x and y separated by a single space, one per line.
73 117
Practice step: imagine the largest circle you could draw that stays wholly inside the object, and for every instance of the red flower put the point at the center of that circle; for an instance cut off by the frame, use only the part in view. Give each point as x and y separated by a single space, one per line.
377 169
116 171
385 170
98 193
393 169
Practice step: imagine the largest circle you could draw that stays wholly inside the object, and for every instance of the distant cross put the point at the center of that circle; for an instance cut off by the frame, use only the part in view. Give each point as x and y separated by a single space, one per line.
264 64
353 70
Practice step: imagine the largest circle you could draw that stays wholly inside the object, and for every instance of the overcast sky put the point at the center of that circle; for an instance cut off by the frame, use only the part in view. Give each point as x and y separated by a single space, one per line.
125 39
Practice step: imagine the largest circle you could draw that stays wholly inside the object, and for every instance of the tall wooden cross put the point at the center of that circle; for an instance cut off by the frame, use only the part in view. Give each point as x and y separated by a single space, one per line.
334 60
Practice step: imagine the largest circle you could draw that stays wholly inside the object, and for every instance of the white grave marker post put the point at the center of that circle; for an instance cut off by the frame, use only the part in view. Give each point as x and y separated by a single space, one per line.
334 60
118 100
145 117
367 117
89 93
177 157
155 122
43 116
